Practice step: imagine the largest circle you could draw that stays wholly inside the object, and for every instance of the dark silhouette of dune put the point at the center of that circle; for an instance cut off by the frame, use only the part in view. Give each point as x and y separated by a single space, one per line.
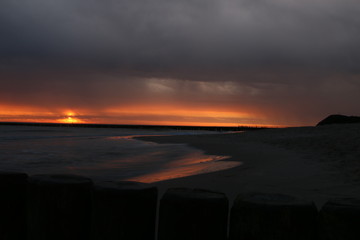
339 119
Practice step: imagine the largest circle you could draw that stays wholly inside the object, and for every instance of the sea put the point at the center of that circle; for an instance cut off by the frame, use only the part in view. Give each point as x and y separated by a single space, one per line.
110 154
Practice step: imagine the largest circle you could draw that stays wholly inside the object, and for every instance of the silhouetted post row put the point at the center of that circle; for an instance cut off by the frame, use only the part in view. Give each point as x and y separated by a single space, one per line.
272 217
69 207
193 214
59 207
340 219
124 210
13 187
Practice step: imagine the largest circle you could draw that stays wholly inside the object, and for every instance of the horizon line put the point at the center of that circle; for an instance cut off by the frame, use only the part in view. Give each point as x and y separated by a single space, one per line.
109 125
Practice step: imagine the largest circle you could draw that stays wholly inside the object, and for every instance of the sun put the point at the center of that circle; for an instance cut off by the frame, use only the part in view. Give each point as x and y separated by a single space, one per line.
70 118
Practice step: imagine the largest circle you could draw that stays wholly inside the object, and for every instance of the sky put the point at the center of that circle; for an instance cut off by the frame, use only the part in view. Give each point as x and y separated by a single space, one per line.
189 62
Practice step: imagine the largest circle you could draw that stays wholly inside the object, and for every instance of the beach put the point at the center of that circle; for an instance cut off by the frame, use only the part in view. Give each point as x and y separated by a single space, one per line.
313 163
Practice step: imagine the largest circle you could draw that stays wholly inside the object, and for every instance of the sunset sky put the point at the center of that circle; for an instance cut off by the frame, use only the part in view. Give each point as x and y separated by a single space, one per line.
188 62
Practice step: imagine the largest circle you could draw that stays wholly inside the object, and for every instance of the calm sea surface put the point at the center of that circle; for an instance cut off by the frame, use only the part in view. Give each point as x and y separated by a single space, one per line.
102 154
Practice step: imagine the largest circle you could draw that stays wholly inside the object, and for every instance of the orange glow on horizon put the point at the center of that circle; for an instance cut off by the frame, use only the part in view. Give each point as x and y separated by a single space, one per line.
179 112
137 115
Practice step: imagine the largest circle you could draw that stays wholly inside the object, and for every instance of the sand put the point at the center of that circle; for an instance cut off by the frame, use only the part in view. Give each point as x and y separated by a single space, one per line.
313 163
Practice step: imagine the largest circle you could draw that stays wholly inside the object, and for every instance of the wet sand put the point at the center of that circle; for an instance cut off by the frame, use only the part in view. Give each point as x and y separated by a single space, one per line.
314 163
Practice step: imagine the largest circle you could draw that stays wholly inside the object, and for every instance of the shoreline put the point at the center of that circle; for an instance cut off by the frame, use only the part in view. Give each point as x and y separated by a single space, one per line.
313 163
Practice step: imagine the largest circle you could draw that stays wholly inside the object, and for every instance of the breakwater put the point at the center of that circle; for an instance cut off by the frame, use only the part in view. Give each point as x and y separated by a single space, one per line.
60 207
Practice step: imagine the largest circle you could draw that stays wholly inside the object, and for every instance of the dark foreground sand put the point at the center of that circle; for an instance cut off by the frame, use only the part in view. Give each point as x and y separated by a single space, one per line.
314 163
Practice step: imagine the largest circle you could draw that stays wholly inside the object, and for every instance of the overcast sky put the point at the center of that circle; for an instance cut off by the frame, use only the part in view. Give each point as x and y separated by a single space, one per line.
282 62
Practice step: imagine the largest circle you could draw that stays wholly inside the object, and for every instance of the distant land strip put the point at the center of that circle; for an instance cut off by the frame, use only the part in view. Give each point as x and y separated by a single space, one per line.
154 127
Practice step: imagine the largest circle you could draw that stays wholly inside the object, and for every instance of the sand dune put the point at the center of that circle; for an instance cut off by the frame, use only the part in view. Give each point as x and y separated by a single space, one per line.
315 163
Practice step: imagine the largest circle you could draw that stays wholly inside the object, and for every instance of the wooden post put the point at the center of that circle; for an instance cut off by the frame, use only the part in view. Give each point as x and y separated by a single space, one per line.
340 219
59 207
13 205
193 214
272 217
124 210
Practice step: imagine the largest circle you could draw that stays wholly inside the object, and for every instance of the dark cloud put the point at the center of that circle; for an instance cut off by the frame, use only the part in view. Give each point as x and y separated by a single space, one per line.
192 33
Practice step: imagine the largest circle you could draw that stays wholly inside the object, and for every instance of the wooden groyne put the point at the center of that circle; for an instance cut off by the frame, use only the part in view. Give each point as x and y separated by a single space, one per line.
68 207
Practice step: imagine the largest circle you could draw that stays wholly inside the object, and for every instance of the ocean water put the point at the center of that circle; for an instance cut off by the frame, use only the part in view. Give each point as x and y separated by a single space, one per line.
102 154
